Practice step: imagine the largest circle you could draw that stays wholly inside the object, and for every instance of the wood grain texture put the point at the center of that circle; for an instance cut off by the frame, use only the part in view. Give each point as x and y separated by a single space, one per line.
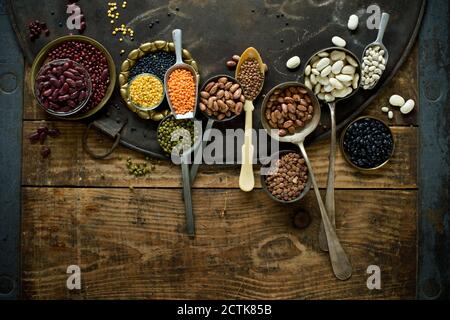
69 165
132 244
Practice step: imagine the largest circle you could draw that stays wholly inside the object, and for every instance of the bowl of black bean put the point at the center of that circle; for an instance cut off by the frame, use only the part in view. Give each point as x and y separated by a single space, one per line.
367 143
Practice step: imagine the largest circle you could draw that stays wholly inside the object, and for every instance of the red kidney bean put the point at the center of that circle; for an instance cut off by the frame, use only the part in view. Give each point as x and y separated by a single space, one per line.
74 95
68 74
55 82
64 88
70 82
64 97
47 92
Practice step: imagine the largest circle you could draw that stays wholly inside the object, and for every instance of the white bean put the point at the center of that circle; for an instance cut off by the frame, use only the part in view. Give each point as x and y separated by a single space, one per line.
408 106
308 70
396 100
337 66
323 63
338 41
337 55
293 62
350 70
390 115
325 72
353 22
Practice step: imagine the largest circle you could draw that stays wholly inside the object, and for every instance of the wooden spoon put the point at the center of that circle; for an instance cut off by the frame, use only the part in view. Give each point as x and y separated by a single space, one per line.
246 178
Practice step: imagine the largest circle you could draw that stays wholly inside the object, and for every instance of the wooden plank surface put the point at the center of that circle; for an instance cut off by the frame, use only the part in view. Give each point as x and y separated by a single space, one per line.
69 165
132 244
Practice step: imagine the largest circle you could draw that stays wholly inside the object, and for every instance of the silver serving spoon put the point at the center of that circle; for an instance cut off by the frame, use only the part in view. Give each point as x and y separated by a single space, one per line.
339 260
329 198
379 41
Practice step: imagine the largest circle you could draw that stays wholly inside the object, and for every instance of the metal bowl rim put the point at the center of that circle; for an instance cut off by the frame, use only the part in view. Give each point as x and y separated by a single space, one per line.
341 144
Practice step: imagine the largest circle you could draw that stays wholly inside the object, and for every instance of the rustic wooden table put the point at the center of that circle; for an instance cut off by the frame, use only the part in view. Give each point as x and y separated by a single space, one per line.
131 242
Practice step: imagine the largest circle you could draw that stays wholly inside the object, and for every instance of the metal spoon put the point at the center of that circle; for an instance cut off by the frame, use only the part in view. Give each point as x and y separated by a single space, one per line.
177 40
379 41
329 198
246 178
339 260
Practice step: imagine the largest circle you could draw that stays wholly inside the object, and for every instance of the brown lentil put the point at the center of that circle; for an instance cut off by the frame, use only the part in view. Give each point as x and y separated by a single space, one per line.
251 78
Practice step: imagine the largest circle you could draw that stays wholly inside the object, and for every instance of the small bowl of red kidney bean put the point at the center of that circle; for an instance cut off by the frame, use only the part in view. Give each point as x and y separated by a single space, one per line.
285 178
63 87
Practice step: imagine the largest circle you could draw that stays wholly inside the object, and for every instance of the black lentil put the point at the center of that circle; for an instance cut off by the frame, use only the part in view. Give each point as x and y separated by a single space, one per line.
155 63
368 143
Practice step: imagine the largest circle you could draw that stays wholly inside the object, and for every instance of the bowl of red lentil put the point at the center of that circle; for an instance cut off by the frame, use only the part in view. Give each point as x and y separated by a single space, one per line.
91 55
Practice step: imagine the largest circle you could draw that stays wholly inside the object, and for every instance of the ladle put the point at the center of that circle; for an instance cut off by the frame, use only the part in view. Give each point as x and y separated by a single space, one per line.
339 260
329 198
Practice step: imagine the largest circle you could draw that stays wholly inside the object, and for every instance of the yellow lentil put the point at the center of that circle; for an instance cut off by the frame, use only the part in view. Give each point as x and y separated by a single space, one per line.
146 91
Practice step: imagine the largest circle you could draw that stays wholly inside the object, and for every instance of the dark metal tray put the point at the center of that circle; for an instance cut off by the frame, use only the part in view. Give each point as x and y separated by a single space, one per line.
215 30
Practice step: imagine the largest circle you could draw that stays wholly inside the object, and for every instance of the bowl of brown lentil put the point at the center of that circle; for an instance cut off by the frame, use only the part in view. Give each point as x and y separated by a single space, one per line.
285 177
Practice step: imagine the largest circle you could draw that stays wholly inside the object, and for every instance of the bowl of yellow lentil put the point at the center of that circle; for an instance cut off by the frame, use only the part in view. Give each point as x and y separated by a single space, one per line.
146 92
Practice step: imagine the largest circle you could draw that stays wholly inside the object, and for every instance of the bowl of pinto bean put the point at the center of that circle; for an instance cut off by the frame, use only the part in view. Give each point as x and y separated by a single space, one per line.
80 80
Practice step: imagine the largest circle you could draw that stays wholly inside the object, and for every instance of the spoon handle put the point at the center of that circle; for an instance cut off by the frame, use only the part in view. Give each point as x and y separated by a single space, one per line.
329 198
246 178
339 260
205 139
177 41
187 195
383 25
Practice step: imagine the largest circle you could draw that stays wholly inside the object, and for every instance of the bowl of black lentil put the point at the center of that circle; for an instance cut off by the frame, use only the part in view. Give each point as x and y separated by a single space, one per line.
367 143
